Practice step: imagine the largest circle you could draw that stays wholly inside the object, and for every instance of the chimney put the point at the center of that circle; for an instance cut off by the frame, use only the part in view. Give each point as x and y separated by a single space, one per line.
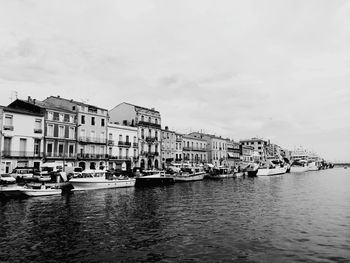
153 109
29 99
34 100
166 128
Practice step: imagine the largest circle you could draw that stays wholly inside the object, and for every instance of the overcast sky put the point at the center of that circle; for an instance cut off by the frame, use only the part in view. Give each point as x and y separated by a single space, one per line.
274 69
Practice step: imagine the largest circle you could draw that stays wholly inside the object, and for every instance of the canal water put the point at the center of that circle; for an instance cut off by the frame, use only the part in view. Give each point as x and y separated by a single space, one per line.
288 218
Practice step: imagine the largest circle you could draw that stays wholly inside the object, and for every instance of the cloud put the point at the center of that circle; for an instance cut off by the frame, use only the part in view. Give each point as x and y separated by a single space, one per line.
238 69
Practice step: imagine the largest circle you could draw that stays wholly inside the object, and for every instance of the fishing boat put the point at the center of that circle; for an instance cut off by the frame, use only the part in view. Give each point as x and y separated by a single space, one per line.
188 174
9 191
271 167
154 178
252 169
42 191
220 173
313 166
96 179
299 166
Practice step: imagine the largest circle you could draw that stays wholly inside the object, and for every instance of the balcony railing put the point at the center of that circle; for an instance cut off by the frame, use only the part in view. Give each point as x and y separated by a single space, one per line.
124 144
151 139
151 154
149 124
38 130
193 149
135 145
60 155
91 156
110 142
92 139
8 127
24 154
118 157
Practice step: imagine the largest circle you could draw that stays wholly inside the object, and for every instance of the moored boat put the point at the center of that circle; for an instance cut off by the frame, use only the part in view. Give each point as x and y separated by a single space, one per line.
299 166
154 178
11 190
220 173
271 168
252 169
188 174
43 191
96 179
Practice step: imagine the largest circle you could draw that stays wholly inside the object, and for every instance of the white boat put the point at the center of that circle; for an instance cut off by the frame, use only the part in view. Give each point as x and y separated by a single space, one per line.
96 179
11 190
252 169
299 166
313 166
188 174
270 168
40 192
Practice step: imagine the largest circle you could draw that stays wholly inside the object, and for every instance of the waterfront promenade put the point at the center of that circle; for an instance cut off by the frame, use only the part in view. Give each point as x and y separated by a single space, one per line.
286 218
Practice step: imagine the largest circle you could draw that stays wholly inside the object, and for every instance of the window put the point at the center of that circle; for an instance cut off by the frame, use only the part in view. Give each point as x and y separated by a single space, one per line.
156 134
50 115
149 119
135 154
37 124
36 146
71 132
127 138
102 122
61 131
49 149
149 132
71 150
82 119
8 125
61 117
120 152
134 139
156 120
71 118
120 137
142 134
50 130
142 118
127 153
92 120
60 149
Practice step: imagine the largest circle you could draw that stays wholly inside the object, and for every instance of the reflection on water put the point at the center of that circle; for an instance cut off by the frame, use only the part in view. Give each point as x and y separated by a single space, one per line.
287 218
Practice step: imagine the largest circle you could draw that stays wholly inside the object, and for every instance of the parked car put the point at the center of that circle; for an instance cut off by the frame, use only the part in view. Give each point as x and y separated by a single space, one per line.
7 179
42 176
23 172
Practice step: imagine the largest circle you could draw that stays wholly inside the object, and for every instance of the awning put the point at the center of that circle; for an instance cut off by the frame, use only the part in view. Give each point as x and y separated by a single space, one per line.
210 165
230 155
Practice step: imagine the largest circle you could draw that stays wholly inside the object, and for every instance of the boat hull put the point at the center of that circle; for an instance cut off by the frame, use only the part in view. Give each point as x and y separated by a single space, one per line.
40 192
189 178
11 191
298 169
80 184
154 181
271 171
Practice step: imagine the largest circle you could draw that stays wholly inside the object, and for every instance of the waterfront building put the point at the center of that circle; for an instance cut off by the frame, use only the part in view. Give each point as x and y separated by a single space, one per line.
233 153
247 153
21 136
260 146
122 146
91 128
194 149
148 123
179 147
59 134
168 147
216 149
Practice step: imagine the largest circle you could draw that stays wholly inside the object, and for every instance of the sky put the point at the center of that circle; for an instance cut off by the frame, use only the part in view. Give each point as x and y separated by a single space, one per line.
279 70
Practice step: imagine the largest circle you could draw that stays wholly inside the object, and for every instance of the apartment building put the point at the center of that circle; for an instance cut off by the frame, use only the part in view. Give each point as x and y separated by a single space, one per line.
168 147
233 153
148 123
122 147
21 136
194 149
91 129
260 146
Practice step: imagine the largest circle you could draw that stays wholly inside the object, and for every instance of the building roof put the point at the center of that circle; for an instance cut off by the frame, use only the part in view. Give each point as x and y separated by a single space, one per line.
190 136
76 102
136 106
254 139
212 136
23 111
46 105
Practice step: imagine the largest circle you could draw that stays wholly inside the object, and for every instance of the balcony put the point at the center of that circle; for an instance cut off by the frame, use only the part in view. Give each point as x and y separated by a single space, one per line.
119 157
110 142
60 155
178 139
91 156
135 145
149 124
200 149
151 139
84 139
38 130
124 144
8 127
21 154
151 154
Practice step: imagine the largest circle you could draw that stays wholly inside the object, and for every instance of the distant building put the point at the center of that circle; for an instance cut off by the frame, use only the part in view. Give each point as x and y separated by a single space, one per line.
216 149
122 147
194 149
91 123
247 153
233 153
260 145
22 136
148 123
168 146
